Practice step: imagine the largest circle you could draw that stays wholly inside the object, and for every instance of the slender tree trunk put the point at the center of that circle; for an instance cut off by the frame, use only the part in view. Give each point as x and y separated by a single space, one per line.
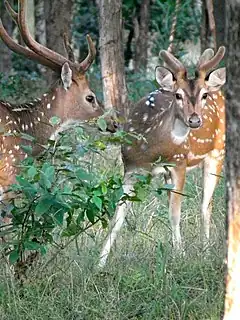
232 299
142 36
111 54
40 27
40 24
213 32
58 15
219 15
5 53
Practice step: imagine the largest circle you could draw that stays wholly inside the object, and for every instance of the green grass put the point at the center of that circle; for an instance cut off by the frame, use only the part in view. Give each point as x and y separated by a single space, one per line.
143 279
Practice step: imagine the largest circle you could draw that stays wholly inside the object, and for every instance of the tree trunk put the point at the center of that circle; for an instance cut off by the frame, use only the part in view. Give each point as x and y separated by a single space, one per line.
5 53
219 32
111 54
232 305
40 24
141 36
219 14
58 15
40 27
207 36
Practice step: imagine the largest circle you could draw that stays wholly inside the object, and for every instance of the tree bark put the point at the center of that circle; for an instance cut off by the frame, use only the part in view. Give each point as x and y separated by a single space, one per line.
40 24
219 15
111 55
219 25
142 36
58 15
40 27
232 298
5 53
208 26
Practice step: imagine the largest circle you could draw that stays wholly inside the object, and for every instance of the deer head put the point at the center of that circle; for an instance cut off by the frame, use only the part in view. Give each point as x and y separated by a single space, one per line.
71 97
191 94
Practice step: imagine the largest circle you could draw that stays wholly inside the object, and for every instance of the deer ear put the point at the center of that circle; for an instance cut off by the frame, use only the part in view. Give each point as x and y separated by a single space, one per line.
165 78
216 79
66 76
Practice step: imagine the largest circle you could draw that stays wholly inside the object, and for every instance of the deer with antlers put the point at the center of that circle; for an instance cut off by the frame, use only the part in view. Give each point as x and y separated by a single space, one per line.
184 123
70 99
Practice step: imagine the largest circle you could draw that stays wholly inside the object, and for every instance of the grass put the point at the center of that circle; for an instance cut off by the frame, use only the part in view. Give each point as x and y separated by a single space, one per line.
143 279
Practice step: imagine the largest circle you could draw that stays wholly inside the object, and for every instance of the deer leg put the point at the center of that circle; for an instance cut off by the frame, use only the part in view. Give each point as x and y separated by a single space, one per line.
168 179
178 179
212 168
117 221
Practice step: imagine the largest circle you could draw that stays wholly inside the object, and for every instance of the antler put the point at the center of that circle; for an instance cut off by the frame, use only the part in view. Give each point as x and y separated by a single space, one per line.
38 52
173 64
12 45
68 47
209 61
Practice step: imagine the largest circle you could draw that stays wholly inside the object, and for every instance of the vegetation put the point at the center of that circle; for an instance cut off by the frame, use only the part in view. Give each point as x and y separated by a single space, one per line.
142 281
65 197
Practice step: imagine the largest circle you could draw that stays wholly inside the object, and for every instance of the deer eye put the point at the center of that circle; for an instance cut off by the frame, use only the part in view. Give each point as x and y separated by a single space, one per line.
178 96
90 98
204 96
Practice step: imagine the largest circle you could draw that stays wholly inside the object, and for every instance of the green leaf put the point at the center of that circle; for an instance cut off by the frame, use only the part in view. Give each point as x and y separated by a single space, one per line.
27 137
13 256
43 250
97 201
59 216
50 173
32 171
83 175
32 245
71 230
104 223
90 215
102 124
27 149
54 121
100 145
27 188
44 205
80 218
104 189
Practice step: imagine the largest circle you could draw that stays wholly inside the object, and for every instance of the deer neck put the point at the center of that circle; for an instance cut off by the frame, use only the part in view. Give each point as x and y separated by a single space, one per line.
34 118
179 131
173 127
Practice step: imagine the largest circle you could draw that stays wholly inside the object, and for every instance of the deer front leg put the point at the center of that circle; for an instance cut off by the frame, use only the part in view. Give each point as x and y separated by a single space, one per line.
212 168
117 221
178 179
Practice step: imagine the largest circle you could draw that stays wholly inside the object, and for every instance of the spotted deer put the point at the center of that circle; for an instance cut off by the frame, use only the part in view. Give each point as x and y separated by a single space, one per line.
70 98
183 122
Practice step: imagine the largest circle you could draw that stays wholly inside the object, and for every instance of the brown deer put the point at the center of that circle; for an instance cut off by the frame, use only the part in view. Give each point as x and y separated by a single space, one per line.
70 99
184 123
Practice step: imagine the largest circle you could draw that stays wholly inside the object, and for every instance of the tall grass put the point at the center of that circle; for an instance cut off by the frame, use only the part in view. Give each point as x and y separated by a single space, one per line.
143 278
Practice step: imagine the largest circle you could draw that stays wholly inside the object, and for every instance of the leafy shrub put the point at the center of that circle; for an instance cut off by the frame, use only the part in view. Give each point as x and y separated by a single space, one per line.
63 192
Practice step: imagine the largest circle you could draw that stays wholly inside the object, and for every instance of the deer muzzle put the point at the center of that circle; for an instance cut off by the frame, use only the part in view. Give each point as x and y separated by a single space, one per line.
194 121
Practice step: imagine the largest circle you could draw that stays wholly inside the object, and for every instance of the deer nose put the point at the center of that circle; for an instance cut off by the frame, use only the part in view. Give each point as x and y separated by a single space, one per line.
194 121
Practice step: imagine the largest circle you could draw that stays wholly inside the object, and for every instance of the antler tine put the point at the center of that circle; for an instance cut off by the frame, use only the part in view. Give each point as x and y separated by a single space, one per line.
86 63
213 62
11 12
12 45
68 48
48 54
173 63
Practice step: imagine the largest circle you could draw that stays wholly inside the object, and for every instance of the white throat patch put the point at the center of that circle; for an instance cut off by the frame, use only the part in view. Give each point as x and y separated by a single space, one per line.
180 132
